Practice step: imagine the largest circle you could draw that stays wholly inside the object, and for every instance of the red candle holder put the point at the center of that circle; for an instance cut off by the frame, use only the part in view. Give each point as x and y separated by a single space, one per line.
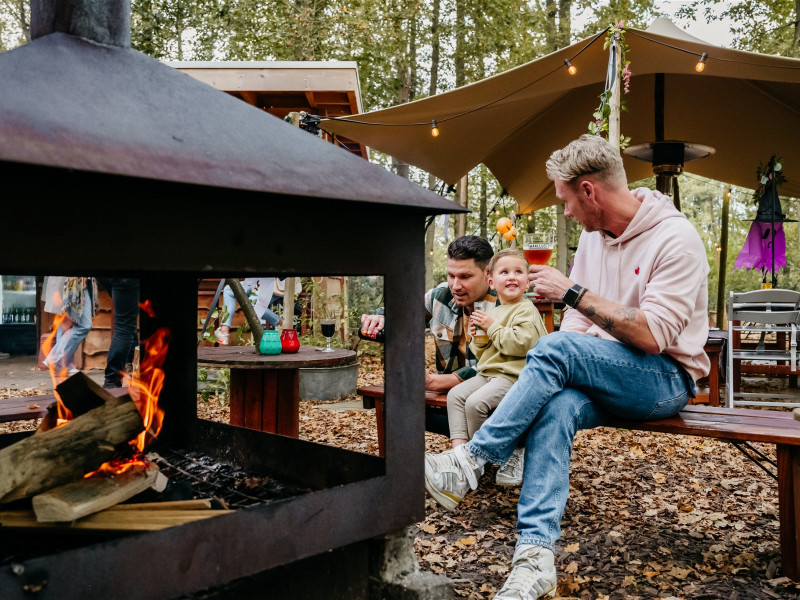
290 343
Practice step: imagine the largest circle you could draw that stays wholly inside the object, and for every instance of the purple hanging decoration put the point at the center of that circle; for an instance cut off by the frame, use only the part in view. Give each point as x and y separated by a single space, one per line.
757 252
765 246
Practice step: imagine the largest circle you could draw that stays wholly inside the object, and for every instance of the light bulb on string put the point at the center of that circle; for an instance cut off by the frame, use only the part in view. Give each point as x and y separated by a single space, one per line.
701 63
530 217
434 129
571 69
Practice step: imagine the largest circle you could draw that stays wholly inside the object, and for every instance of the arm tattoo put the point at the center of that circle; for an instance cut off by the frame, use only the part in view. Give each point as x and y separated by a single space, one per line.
589 311
607 324
627 313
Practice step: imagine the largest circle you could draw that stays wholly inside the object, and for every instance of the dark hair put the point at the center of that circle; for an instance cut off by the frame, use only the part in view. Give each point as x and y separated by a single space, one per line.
471 246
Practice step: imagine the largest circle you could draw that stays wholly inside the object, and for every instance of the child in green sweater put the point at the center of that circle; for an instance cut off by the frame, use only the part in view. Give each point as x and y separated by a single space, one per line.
512 328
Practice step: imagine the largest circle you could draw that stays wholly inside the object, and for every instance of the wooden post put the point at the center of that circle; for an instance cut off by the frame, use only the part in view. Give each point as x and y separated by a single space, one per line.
723 260
562 240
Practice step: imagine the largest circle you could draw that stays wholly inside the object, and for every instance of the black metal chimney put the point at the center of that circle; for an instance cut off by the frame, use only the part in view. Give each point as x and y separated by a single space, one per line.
103 21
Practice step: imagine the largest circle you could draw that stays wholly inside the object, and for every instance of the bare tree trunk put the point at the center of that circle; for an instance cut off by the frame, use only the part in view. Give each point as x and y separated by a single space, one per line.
401 65
430 234
435 47
564 23
24 21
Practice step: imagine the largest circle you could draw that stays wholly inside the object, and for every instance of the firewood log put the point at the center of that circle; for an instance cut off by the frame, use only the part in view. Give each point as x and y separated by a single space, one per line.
64 454
79 394
111 520
93 494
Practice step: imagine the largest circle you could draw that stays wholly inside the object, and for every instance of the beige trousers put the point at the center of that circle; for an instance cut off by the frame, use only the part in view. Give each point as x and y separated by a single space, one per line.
470 403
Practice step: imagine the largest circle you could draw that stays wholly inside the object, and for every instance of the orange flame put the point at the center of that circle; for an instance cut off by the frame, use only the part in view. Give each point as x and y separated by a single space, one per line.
64 415
145 387
119 465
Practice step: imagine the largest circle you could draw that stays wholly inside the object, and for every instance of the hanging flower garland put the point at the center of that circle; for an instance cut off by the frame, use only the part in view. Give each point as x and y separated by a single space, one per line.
615 35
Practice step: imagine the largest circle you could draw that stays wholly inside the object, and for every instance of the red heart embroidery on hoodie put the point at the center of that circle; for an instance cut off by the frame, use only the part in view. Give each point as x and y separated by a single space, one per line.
637 270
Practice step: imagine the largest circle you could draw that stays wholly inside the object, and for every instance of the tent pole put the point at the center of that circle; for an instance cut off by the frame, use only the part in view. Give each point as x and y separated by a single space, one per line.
613 119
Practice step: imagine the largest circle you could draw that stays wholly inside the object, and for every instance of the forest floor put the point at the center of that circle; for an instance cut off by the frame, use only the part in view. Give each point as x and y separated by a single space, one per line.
649 515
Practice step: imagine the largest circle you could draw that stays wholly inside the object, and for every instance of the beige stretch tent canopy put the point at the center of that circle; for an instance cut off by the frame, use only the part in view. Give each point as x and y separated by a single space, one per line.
745 105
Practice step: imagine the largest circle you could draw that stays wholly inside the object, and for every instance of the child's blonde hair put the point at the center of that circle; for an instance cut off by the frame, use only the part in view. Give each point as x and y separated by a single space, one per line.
506 252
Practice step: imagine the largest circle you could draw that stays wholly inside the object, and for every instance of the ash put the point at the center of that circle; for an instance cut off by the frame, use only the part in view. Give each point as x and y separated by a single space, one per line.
193 474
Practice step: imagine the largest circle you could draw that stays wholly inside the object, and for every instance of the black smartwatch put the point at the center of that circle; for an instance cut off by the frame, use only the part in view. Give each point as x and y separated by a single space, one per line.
573 295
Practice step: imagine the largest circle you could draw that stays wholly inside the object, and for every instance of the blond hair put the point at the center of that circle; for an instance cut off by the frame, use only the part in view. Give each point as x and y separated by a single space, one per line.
589 155
506 252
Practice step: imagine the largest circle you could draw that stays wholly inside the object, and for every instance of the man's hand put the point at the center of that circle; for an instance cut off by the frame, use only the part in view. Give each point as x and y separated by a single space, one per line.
548 282
440 383
372 324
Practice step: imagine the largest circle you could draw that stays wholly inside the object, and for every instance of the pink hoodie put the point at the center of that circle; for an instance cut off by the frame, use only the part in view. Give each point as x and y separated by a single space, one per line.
658 265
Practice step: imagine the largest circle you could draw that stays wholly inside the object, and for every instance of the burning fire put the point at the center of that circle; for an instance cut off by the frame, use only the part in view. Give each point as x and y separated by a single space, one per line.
144 389
63 413
120 465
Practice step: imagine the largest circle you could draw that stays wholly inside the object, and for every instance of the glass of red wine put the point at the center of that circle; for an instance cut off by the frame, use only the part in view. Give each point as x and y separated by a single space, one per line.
328 330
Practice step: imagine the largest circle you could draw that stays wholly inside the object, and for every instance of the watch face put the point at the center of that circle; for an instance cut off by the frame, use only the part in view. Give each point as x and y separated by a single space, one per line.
570 296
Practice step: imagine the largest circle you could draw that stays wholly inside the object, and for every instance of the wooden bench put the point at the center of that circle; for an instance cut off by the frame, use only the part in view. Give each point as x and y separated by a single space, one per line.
25 407
738 426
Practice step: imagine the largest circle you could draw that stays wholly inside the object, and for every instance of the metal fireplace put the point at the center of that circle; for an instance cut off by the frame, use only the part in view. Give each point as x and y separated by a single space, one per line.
114 164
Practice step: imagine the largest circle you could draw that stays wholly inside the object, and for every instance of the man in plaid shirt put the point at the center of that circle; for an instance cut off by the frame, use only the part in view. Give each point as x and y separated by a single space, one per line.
447 308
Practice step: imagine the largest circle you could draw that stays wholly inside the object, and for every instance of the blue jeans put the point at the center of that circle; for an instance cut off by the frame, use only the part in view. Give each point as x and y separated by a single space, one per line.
63 352
125 298
229 300
572 381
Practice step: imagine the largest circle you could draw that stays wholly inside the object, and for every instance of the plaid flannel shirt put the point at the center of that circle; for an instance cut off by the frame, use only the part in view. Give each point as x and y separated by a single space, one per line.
447 324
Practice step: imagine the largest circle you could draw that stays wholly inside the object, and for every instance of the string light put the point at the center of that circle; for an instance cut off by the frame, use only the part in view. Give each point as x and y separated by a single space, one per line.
434 129
530 217
701 64
571 69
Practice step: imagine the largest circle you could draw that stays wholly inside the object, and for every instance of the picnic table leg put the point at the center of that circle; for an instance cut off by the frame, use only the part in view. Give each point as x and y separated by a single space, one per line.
266 400
789 508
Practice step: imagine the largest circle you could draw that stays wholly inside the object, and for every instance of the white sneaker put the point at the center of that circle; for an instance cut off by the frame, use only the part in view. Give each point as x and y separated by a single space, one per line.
510 474
451 474
533 575
223 339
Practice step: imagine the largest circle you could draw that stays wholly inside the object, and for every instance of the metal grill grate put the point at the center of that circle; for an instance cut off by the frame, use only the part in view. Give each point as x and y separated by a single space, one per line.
210 478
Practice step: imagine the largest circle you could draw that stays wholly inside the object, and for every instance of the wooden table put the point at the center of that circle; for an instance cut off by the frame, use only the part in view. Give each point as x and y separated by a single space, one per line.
546 308
265 389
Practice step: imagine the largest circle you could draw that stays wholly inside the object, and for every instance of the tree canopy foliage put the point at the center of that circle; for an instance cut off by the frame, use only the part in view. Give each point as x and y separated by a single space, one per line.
409 49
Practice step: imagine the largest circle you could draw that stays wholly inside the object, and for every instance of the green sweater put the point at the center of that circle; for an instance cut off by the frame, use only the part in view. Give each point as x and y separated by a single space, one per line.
516 329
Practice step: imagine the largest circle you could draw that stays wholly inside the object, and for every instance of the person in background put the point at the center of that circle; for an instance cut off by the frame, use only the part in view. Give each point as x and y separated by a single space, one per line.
124 294
630 345
265 286
511 329
76 299
447 309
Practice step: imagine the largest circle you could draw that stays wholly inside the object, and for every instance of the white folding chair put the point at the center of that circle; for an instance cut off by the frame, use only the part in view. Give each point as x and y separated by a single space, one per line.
774 315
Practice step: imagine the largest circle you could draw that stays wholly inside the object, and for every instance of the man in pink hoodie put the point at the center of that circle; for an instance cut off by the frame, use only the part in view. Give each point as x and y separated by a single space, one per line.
631 346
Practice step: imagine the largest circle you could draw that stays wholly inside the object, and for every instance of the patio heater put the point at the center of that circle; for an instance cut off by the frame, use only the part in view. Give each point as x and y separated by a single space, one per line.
667 156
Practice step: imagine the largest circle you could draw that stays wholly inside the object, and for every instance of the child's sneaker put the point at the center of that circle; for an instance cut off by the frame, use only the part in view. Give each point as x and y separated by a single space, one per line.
223 339
510 474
